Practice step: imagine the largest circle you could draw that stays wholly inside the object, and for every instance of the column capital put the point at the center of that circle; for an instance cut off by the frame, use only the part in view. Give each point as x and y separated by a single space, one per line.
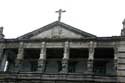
66 43
21 45
43 43
92 44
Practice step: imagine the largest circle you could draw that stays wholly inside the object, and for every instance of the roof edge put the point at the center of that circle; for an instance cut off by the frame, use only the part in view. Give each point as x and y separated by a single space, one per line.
34 32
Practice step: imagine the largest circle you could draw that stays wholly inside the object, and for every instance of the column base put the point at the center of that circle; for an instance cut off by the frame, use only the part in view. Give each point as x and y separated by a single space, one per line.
115 66
90 67
64 66
41 66
18 65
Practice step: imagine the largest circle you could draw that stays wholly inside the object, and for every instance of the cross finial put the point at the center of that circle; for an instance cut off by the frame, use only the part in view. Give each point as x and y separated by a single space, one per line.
60 11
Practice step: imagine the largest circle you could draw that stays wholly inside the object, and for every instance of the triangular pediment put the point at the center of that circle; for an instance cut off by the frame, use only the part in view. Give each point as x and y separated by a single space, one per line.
56 30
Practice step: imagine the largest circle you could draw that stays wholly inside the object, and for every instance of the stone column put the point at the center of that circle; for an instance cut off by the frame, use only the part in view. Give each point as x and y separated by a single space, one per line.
65 58
42 59
91 57
19 58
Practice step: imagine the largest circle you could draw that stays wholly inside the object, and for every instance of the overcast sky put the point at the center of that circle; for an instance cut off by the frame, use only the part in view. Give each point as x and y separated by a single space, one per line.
98 17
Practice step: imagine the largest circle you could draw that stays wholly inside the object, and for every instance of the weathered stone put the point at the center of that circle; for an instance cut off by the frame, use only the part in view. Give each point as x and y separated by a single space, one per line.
59 35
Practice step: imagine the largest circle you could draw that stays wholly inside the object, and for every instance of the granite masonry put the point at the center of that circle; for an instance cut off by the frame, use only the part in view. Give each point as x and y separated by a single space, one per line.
60 53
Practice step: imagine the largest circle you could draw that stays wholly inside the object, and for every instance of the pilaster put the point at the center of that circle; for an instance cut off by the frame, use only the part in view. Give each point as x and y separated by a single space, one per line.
115 58
42 59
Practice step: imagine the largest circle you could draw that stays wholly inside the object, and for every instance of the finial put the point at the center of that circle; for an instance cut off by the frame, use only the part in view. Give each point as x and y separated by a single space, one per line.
123 23
60 11
123 30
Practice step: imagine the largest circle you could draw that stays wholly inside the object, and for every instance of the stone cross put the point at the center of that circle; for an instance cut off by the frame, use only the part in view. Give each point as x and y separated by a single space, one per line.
60 11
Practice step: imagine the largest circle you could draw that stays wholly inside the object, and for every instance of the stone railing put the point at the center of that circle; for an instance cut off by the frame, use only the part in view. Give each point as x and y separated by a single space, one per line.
100 66
77 71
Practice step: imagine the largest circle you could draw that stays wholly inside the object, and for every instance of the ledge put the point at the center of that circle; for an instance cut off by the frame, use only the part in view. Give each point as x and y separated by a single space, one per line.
59 76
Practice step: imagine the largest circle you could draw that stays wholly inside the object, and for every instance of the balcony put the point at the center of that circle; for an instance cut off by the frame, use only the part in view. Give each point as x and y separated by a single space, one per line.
77 70
100 66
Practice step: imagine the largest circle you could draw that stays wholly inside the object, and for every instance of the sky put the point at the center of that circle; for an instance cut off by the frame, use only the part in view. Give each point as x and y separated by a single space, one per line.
102 18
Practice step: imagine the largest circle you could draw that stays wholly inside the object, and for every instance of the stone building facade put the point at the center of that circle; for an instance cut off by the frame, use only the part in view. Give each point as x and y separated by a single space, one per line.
60 53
